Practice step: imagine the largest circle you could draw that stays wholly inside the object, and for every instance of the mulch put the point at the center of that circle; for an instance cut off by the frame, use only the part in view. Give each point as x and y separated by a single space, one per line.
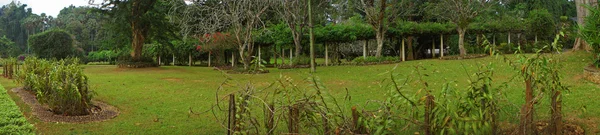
100 112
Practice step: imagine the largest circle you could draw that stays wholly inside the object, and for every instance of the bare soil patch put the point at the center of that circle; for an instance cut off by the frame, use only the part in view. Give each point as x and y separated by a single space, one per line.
570 127
172 79
100 112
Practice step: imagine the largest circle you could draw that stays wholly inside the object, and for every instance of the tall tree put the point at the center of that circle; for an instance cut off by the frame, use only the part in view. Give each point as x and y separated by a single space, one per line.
11 21
583 12
375 15
293 13
313 68
461 13
240 17
135 13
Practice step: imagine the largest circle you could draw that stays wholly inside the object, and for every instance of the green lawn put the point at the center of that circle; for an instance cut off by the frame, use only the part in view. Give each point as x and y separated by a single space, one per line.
157 100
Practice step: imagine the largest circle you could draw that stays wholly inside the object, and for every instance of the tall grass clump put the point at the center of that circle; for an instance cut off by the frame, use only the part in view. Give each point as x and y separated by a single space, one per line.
59 84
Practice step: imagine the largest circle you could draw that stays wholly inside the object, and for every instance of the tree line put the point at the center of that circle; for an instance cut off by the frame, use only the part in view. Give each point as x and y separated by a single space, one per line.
178 31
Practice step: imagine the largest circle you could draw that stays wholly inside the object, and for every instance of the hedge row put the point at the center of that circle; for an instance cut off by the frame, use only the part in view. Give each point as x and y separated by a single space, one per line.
11 118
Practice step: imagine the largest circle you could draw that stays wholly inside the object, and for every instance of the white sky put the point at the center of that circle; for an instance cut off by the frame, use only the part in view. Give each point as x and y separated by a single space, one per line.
50 7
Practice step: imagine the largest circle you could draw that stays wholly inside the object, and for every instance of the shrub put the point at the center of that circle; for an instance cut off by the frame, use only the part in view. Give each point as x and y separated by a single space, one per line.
301 60
590 33
102 56
9 67
59 84
373 59
53 44
129 62
506 48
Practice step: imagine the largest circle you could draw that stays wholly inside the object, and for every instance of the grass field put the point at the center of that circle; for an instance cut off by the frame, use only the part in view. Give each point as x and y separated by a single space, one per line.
157 100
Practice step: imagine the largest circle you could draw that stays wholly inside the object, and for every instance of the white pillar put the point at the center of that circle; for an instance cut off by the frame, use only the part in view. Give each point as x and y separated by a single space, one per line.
173 60
209 60
433 48
365 48
403 51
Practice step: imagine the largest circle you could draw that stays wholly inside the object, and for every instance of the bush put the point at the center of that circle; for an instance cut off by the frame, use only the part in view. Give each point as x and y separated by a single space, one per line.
126 61
12 120
59 84
53 44
373 59
102 56
301 60
506 48
590 33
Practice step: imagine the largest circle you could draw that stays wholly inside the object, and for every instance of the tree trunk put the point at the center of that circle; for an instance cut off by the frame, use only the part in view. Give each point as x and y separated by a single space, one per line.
441 45
298 44
209 58
411 53
173 60
159 63
138 42
312 39
582 12
403 53
536 39
245 60
380 40
380 31
326 55
461 41
291 57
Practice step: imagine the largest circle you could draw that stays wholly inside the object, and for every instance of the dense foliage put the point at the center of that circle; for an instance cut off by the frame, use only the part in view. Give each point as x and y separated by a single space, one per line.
12 120
541 23
590 33
102 56
8 47
53 44
59 84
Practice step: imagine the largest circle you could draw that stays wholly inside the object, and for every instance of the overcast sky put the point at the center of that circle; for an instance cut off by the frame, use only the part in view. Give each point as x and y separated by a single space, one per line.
50 7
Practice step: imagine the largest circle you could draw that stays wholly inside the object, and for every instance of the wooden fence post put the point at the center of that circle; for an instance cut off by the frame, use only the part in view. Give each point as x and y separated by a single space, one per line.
429 105
294 115
358 128
556 121
526 124
231 127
